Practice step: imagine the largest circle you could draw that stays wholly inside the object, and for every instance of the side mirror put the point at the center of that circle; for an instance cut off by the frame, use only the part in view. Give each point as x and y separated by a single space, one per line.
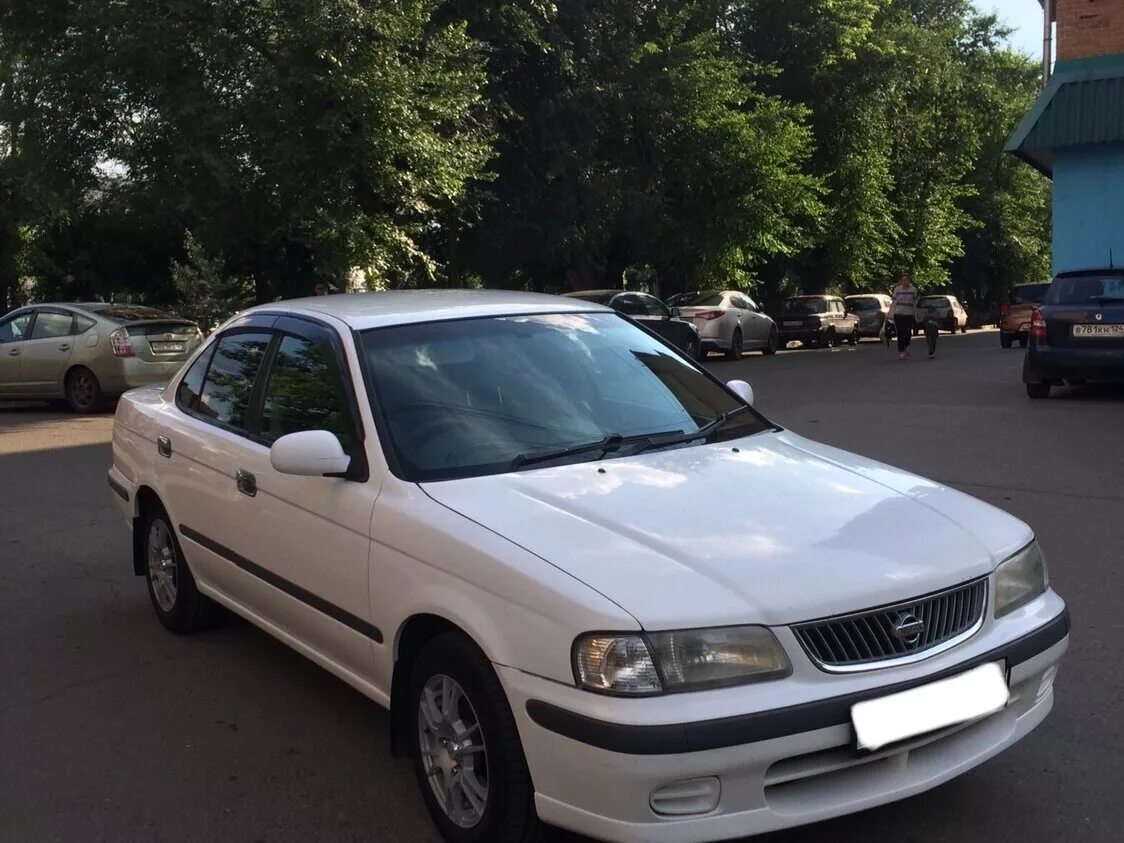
309 453
741 389
675 313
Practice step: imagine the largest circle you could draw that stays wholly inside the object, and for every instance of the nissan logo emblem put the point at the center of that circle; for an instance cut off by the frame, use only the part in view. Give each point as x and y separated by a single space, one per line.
908 628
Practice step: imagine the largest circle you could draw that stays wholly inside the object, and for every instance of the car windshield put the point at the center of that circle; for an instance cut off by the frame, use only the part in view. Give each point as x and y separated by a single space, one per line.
802 306
933 301
1029 293
129 312
472 397
864 304
1085 289
703 300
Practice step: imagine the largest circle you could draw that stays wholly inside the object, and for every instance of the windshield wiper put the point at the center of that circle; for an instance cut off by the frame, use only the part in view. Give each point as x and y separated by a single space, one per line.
606 445
712 426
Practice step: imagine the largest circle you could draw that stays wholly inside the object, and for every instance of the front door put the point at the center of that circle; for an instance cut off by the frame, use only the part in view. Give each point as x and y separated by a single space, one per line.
44 356
13 334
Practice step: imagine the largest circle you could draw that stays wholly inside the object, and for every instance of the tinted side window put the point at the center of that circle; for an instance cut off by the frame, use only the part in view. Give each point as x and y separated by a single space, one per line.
49 325
653 306
305 392
83 324
630 305
187 394
14 328
226 393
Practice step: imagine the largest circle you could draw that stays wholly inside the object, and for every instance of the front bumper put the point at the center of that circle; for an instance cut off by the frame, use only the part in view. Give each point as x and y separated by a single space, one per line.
801 334
1044 364
596 760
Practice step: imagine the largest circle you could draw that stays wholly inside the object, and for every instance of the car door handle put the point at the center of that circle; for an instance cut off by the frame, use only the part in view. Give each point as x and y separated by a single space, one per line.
15 352
164 446
64 347
247 484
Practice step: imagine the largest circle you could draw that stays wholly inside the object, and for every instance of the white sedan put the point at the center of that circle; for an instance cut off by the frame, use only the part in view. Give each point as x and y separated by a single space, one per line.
593 585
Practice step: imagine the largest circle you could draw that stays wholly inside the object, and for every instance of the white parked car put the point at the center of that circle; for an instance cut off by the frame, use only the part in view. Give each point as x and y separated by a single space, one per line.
595 588
730 322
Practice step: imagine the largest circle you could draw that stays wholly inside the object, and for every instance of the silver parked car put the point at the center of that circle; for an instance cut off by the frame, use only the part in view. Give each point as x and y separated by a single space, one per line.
86 353
946 311
871 310
731 322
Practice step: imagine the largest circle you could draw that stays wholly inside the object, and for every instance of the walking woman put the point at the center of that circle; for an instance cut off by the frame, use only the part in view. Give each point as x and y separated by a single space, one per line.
905 311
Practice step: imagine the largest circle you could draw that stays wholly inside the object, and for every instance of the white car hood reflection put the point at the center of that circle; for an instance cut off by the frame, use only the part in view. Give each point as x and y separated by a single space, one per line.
769 529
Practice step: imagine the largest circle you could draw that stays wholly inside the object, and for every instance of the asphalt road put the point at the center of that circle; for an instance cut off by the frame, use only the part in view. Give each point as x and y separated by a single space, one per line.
112 729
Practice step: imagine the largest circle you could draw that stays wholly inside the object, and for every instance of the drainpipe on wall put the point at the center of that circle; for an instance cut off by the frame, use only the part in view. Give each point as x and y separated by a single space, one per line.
1047 39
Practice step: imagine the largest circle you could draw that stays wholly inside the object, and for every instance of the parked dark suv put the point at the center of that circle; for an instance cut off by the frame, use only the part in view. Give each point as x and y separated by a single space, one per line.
1077 333
818 321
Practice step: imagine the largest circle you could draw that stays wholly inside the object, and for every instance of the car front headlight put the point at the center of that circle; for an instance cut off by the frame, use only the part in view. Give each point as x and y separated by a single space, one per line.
684 660
1020 579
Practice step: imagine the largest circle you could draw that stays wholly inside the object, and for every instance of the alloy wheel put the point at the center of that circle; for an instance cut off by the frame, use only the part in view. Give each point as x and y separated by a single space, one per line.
163 569
453 753
82 389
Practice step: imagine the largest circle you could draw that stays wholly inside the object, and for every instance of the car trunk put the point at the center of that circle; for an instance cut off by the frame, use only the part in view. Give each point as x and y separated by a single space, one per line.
163 340
1085 325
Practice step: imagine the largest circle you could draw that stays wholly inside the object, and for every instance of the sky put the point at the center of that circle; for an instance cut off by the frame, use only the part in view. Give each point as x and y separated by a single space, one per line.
1024 16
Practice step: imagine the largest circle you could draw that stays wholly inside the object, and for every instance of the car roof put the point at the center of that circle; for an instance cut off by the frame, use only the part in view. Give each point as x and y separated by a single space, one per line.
814 297
867 296
401 307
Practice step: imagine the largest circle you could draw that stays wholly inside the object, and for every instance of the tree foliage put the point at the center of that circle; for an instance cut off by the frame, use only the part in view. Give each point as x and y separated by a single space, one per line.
538 144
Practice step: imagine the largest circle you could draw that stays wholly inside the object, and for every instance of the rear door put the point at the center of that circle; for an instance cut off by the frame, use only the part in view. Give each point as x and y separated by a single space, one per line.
43 357
14 330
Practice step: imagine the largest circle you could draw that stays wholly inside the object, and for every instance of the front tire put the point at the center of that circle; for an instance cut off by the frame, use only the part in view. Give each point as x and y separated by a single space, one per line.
83 392
1038 390
736 348
171 587
467 755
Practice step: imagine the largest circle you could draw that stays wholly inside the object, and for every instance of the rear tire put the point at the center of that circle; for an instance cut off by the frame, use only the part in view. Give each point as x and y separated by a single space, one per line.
1006 340
171 587
83 392
736 349
1023 340
1038 390
484 794
771 346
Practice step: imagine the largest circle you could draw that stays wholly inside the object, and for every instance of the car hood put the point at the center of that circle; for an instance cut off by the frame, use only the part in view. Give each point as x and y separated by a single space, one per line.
768 529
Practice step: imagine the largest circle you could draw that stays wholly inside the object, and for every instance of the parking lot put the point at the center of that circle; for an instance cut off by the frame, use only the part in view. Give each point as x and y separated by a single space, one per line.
113 729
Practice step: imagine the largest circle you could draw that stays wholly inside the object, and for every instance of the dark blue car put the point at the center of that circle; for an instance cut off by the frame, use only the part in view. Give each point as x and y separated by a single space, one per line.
1077 333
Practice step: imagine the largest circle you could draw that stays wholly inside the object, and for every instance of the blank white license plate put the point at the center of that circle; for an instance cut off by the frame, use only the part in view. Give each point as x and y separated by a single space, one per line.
1098 330
796 324
926 708
168 346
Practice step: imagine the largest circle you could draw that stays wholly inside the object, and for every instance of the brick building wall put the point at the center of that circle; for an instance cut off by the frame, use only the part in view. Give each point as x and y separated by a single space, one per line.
1089 28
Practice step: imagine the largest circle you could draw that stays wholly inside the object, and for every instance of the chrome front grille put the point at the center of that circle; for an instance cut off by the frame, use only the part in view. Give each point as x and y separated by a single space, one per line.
898 633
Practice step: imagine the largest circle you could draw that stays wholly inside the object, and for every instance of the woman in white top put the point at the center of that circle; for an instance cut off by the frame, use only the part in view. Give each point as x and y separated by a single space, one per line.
904 311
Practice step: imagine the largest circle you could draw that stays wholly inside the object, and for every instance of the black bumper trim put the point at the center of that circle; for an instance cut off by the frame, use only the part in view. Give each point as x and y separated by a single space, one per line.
676 738
280 583
118 489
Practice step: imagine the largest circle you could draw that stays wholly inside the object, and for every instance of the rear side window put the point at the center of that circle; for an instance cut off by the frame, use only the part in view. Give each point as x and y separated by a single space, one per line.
630 305
50 325
83 324
305 392
187 395
225 396
654 306
14 329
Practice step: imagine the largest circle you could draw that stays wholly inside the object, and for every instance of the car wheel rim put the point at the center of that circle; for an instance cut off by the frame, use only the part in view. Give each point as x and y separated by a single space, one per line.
83 390
453 753
162 567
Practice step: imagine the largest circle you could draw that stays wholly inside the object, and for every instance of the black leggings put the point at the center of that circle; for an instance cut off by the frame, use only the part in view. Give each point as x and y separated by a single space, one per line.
903 325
